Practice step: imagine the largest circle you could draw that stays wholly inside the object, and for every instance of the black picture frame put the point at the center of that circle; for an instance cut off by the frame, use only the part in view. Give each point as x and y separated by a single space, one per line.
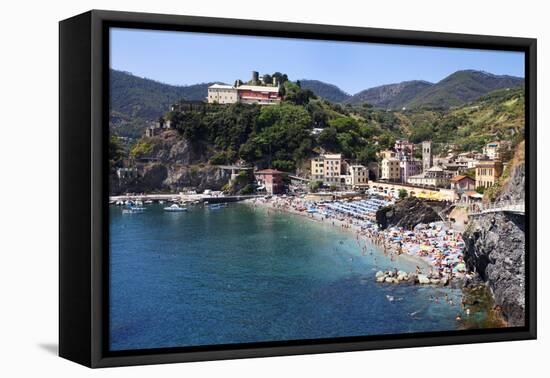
83 210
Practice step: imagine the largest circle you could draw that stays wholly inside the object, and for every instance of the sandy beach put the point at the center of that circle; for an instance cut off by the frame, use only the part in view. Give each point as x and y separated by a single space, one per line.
365 241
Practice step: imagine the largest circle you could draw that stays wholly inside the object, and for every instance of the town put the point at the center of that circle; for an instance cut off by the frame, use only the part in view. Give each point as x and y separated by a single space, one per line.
405 169
287 168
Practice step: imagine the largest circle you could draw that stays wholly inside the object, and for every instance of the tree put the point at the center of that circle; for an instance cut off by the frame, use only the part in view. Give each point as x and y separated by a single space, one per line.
267 79
328 139
281 78
402 193
314 186
116 152
480 189
422 132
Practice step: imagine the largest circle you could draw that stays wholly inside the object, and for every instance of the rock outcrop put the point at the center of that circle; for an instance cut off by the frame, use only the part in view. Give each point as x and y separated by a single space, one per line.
409 212
495 249
173 165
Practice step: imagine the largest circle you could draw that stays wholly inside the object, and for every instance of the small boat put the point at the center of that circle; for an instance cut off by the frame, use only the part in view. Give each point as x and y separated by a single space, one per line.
161 202
215 206
148 202
175 208
133 210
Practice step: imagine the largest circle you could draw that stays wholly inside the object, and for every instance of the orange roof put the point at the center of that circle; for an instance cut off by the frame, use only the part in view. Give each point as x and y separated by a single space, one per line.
460 177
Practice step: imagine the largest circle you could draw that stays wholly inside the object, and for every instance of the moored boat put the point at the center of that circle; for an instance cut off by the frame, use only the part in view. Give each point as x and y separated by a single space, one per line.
175 208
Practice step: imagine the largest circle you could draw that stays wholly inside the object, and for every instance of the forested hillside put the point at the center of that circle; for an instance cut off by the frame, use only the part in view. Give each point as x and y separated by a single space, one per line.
135 100
282 137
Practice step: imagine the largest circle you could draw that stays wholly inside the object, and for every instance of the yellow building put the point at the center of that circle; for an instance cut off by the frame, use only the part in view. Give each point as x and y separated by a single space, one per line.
387 154
327 168
390 169
487 173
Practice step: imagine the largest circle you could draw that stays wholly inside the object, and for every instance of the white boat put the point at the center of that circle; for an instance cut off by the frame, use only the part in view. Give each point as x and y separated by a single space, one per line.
133 210
175 207
161 202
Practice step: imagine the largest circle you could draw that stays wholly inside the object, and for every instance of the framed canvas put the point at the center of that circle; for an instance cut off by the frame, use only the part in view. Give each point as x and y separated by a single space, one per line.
235 188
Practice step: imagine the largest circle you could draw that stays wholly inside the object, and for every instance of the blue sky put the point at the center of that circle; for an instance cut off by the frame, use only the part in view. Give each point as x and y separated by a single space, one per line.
182 58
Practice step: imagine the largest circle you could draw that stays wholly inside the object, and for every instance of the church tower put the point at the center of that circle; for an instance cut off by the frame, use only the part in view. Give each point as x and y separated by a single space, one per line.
427 158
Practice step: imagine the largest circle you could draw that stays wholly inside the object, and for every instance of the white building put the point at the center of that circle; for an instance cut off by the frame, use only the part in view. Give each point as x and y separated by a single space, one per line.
357 176
433 177
493 149
408 168
222 94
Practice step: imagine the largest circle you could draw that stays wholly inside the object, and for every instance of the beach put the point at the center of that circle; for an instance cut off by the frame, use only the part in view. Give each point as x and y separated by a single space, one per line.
436 250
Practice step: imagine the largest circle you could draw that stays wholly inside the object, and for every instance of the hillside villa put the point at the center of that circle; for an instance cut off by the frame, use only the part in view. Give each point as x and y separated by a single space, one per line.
266 94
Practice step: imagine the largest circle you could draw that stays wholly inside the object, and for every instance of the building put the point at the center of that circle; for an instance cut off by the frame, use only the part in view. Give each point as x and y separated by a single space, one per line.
408 168
318 168
487 173
404 149
267 94
333 169
157 127
427 157
127 173
357 176
256 94
457 167
387 154
493 150
222 94
390 169
271 180
433 177
461 183
327 168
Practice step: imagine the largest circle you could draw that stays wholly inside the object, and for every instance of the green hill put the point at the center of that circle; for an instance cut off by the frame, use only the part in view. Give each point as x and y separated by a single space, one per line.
135 100
324 90
462 87
390 96
456 89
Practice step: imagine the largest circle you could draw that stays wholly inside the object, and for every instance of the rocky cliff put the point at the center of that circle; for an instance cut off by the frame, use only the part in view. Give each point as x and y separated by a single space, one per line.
495 249
409 212
172 164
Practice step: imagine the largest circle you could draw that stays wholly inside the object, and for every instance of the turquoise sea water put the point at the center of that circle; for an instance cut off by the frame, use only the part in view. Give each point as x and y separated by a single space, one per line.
241 274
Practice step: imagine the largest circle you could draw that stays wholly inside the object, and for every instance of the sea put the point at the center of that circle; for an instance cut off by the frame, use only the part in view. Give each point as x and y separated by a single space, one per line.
242 274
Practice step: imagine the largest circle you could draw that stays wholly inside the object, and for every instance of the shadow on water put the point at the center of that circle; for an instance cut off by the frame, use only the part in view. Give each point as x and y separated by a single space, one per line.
51 348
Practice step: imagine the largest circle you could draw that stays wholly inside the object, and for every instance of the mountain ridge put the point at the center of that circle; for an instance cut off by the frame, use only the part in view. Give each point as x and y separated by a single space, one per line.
136 101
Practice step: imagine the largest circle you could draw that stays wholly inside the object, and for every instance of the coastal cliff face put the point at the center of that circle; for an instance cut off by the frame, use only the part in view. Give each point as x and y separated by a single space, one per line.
171 164
495 249
408 212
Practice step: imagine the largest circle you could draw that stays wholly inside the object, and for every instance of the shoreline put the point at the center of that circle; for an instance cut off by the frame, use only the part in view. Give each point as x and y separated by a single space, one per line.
352 229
